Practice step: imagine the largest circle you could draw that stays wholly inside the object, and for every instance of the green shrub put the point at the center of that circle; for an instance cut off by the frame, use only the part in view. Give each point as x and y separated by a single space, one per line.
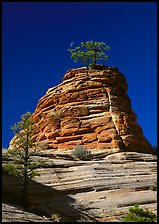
137 214
81 153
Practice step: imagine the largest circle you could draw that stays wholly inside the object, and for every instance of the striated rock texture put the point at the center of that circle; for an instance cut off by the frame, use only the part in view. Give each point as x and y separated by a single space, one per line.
91 108
12 213
100 190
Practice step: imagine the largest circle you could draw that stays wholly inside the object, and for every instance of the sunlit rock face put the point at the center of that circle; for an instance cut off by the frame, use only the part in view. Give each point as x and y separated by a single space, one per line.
90 108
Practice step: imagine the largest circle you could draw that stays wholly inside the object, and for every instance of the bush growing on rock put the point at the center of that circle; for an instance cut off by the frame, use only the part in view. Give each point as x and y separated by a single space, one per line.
137 214
81 153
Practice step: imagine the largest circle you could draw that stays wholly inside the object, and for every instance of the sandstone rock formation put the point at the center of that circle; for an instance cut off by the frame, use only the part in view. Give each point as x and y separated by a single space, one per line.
91 108
100 190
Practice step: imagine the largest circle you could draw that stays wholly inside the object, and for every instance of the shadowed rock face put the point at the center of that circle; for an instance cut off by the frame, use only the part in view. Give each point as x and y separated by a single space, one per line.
91 108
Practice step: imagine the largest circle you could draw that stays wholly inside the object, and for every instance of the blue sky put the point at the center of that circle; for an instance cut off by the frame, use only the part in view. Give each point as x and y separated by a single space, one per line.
35 41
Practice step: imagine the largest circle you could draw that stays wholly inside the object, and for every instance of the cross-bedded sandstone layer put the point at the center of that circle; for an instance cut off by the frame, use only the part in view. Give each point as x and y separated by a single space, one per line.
100 190
91 108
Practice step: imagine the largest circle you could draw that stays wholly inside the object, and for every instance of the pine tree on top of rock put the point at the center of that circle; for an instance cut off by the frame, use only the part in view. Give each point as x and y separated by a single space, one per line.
89 53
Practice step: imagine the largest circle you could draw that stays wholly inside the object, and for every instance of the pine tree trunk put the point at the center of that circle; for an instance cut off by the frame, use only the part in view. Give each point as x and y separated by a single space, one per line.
25 192
94 60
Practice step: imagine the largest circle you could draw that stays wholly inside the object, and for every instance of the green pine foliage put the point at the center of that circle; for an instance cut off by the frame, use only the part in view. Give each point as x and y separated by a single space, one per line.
20 157
89 52
137 214
81 153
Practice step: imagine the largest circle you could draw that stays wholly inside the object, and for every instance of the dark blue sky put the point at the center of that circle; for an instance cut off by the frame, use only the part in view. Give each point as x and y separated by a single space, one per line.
35 41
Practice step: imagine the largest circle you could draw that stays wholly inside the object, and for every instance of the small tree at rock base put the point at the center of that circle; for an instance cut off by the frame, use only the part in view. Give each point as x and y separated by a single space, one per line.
21 164
89 52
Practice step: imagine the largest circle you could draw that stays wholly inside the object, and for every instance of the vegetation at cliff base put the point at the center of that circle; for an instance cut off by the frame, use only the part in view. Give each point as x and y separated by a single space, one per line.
137 214
89 52
20 163
81 153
